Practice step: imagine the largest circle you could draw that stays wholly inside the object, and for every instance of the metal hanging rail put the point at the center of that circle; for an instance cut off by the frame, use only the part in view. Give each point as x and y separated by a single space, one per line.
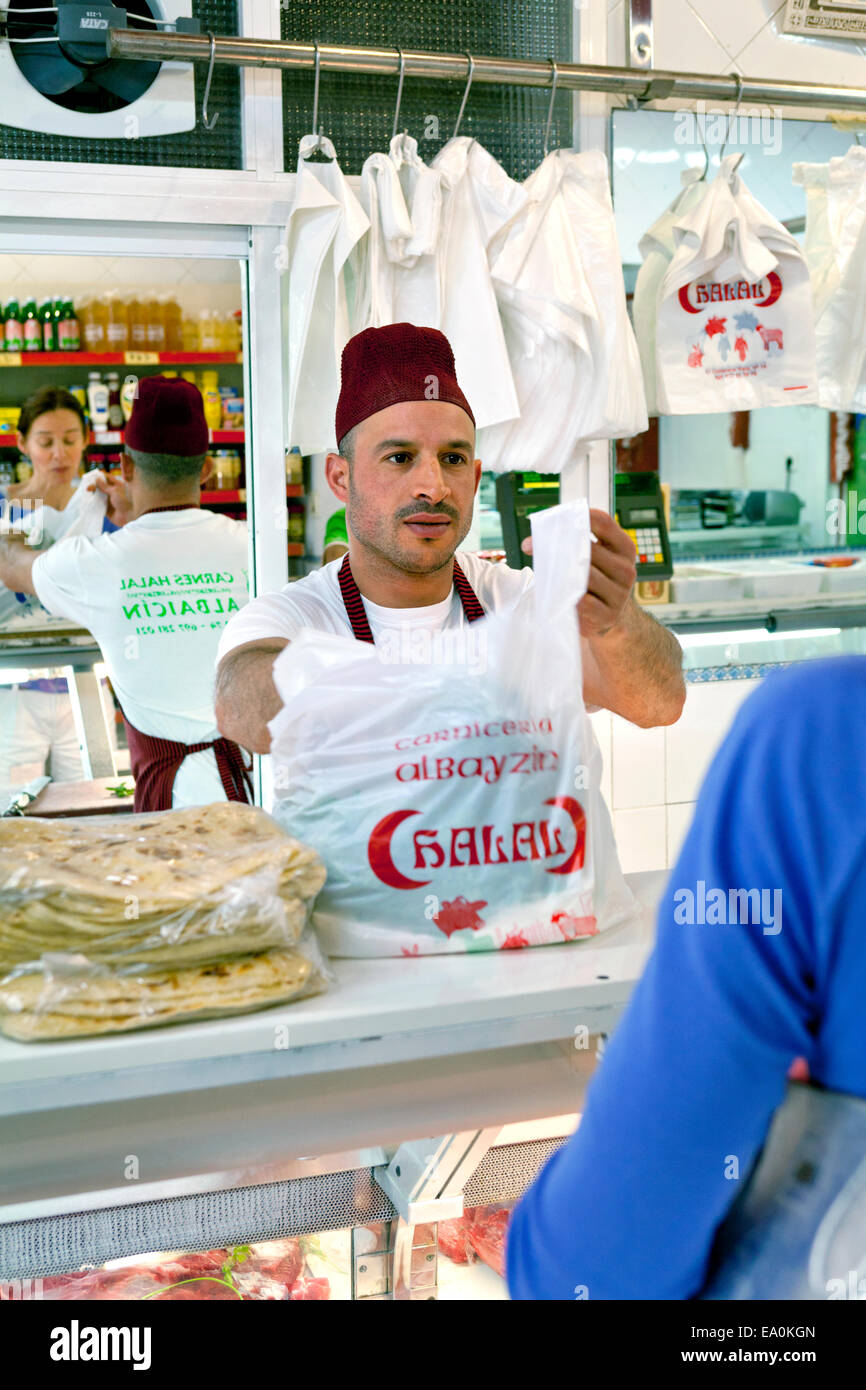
642 85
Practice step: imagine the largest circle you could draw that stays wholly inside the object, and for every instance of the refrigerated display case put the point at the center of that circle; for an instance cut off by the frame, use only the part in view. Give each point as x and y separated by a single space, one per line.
410 1092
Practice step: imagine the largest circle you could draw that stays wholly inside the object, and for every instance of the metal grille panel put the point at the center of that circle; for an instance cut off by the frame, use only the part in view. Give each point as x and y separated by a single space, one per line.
194 149
356 111
239 1215
58 1244
505 1172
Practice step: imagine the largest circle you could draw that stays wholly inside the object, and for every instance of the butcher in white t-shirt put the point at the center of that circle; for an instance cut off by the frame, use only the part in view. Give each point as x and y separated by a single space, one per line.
156 595
407 474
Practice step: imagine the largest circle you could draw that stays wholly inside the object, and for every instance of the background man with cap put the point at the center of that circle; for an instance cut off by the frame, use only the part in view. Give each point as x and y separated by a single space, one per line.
156 595
407 474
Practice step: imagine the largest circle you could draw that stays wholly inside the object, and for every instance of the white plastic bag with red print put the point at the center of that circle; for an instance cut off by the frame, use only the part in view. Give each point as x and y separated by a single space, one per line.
734 327
456 802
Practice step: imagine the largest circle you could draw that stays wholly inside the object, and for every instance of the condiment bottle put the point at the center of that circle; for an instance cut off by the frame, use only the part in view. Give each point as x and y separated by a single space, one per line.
115 413
213 406
128 394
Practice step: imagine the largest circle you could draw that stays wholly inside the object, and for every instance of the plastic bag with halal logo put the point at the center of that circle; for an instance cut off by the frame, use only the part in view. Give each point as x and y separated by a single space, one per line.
733 323
456 802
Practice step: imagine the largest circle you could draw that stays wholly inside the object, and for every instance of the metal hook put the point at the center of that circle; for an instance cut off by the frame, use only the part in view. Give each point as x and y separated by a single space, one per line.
550 107
732 119
209 124
465 95
317 154
399 91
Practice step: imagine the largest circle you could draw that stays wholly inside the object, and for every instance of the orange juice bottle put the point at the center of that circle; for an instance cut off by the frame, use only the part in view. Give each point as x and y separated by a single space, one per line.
92 328
173 326
189 334
117 326
137 320
155 324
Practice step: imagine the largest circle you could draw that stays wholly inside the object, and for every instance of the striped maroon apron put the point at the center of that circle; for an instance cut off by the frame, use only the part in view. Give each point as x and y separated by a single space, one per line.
357 615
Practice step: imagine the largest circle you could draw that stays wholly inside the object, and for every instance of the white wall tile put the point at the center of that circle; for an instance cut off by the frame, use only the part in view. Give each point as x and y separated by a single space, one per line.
641 839
679 819
735 23
682 41
638 765
792 58
691 743
616 34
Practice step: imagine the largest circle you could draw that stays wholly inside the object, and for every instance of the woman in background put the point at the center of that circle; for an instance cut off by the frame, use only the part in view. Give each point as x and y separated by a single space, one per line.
37 729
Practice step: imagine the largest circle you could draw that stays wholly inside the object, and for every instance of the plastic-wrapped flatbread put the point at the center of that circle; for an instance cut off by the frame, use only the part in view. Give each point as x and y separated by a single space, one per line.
108 924
66 1003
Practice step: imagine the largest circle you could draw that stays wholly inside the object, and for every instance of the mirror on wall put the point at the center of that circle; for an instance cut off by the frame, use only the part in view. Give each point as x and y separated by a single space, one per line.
752 482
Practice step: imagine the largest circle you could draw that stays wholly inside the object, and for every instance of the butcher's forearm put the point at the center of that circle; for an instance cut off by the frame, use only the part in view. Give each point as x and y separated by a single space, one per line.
640 665
16 565
246 698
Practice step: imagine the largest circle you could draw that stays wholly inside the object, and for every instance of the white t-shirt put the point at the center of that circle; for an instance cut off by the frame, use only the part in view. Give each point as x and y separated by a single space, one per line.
317 602
156 595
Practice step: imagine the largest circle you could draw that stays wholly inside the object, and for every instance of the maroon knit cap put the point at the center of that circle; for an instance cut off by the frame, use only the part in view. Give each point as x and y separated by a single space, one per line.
400 362
167 418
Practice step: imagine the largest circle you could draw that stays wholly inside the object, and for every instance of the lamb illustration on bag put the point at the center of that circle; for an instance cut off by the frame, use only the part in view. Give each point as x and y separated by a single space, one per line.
745 322
741 347
696 357
770 337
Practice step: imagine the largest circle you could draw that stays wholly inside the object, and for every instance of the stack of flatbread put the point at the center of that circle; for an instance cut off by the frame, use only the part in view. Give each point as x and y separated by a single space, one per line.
155 917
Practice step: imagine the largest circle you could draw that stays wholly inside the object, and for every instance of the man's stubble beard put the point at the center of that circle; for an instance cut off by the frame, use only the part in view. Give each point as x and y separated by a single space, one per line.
385 547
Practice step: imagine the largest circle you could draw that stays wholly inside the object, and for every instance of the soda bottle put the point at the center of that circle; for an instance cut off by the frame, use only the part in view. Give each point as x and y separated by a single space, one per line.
46 318
57 314
13 332
31 326
73 330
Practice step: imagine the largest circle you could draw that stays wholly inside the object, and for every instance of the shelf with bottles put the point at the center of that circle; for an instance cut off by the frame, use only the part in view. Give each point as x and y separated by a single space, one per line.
233 495
119 359
109 325
102 437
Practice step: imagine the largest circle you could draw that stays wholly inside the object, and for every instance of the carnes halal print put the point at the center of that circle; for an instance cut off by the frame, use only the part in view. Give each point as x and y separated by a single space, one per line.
734 325
457 808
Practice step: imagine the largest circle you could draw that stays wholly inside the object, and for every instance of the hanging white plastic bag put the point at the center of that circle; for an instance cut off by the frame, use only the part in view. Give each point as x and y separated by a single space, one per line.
734 329
657 248
835 250
456 802
325 225
558 277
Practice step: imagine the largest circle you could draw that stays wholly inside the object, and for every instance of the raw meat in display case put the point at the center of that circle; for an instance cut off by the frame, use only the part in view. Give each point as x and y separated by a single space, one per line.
480 1233
272 1270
